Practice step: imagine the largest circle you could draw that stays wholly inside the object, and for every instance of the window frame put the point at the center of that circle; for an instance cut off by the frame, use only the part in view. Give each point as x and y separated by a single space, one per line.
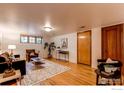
28 39
24 36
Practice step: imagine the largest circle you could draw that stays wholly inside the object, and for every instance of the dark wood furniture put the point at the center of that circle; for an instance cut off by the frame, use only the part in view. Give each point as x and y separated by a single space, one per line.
17 65
62 52
17 56
101 73
2 59
29 53
113 42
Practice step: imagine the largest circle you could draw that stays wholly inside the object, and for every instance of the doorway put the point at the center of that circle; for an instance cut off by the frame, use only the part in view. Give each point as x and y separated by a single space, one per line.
84 47
111 42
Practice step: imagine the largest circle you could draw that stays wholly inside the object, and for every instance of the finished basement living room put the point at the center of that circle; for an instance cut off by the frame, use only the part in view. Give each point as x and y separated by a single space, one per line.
61 44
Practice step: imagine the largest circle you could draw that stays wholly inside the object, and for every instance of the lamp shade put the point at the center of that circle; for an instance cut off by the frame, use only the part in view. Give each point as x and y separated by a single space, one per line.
11 46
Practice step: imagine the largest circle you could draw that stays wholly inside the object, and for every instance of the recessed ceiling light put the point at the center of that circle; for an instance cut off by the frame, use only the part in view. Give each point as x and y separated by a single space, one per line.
47 29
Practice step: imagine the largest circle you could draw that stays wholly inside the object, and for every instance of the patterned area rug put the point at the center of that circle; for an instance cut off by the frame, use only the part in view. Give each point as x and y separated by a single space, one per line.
36 74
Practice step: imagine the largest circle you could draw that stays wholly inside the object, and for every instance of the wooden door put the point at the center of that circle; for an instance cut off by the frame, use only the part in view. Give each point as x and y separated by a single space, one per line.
111 42
84 47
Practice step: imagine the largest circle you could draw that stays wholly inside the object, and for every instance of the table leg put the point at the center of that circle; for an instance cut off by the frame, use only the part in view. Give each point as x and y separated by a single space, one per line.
97 79
65 57
18 81
68 57
56 55
59 57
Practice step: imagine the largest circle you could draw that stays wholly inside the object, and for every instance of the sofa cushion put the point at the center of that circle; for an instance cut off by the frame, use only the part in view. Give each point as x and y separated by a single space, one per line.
6 56
2 59
20 64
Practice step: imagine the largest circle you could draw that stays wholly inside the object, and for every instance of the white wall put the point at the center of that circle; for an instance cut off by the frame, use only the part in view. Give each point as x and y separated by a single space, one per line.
96 46
0 40
72 45
11 35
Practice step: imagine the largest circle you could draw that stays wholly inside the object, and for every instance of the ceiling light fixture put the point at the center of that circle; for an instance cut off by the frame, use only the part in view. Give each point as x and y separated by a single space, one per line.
47 29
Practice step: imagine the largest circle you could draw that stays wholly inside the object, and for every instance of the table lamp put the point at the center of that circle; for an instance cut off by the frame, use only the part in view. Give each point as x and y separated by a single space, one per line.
10 71
11 47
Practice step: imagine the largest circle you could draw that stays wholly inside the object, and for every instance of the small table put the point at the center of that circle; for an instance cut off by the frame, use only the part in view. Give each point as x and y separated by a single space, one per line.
62 52
17 76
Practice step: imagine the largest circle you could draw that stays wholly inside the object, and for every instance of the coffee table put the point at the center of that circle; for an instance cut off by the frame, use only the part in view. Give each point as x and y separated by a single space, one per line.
37 61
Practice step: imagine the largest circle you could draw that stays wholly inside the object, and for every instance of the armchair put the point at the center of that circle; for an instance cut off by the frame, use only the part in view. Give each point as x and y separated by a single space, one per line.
30 53
113 74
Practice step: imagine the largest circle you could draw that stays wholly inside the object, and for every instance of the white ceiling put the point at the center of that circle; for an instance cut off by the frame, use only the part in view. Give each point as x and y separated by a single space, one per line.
64 18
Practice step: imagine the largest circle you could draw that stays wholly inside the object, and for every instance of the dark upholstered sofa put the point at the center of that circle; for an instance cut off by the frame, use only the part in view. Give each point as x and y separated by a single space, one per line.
20 64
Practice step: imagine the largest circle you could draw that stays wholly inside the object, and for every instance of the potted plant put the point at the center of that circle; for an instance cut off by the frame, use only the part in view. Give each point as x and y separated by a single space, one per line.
51 47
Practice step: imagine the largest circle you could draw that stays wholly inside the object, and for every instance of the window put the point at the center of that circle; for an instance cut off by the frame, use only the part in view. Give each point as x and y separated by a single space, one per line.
30 39
38 40
24 39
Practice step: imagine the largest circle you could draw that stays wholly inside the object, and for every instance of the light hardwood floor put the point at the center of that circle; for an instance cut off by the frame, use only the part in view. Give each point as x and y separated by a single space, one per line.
78 75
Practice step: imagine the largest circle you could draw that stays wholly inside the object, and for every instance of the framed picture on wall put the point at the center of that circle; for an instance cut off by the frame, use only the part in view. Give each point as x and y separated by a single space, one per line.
64 43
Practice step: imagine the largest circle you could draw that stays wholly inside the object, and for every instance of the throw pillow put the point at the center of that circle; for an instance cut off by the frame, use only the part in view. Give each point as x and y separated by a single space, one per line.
6 56
109 60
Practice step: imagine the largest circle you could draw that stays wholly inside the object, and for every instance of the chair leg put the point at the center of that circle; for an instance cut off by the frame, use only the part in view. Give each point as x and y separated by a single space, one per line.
97 79
108 82
120 80
113 82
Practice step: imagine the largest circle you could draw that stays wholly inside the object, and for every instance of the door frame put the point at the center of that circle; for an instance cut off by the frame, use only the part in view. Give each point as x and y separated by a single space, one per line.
90 47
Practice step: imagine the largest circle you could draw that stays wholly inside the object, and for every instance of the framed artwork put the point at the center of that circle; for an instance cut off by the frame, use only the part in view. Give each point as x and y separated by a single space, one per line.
23 39
38 40
32 39
64 43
